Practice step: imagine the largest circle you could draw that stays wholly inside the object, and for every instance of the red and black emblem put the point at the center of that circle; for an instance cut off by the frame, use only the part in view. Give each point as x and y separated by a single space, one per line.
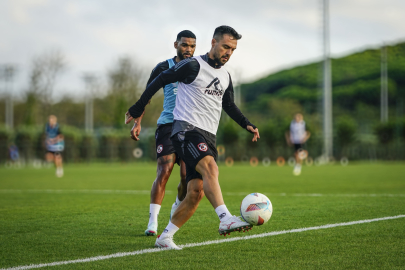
203 147
159 149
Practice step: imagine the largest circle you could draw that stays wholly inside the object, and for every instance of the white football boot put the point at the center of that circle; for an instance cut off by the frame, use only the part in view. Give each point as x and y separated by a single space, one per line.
174 207
297 170
166 243
59 172
232 224
151 230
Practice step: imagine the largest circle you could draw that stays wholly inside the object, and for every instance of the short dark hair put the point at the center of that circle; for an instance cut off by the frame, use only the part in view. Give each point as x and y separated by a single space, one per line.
224 29
186 34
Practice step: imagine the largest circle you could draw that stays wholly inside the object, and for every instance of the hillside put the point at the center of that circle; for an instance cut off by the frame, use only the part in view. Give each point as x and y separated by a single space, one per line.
355 79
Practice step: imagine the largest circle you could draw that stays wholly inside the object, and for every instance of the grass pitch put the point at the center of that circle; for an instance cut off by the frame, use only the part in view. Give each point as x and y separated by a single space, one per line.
102 209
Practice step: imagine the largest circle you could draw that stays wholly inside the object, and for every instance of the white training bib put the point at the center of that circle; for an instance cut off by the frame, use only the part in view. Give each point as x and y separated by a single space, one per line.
297 132
200 102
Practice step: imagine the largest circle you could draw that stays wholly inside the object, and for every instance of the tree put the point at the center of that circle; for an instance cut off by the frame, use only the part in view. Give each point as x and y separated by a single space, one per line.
45 70
345 131
124 86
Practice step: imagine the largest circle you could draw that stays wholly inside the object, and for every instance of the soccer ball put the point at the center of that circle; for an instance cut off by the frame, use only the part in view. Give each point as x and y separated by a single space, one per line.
256 209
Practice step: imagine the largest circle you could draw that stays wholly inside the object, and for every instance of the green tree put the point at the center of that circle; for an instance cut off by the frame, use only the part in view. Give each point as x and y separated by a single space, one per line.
124 86
346 128
385 132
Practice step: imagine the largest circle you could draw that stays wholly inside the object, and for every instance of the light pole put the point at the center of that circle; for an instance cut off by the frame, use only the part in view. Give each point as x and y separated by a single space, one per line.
327 86
8 72
89 80
384 85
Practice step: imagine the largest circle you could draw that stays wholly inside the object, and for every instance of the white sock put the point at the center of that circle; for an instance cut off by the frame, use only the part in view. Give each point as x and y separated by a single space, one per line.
153 213
222 212
170 230
177 200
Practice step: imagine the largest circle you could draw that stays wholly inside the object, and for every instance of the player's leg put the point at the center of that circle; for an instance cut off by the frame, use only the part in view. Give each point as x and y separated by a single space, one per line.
183 213
212 190
298 160
196 188
58 164
181 188
187 208
165 166
49 157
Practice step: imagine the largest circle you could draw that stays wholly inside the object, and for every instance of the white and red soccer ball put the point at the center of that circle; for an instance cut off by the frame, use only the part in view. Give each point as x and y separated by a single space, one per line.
256 209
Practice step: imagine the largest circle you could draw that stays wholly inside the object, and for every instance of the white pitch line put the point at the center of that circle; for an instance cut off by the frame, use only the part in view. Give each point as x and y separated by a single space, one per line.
84 191
151 250
147 192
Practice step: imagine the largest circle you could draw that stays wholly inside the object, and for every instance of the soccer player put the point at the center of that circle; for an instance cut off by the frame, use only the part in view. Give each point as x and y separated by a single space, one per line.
54 143
205 88
185 45
297 136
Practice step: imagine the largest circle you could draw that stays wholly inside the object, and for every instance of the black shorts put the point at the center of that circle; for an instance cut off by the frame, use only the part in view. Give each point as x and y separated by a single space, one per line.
192 146
54 153
164 145
298 147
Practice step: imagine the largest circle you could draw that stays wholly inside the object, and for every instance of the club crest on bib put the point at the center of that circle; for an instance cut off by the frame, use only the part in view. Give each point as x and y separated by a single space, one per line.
203 147
159 149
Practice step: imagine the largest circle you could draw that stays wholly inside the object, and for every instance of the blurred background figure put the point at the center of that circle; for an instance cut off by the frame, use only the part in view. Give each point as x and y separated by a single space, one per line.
297 136
54 143
13 153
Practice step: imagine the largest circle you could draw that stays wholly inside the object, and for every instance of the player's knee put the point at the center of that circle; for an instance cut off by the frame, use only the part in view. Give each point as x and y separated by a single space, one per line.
195 190
210 169
196 196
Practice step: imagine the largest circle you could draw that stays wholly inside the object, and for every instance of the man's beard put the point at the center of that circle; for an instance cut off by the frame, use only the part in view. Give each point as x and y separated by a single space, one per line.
182 57
217 60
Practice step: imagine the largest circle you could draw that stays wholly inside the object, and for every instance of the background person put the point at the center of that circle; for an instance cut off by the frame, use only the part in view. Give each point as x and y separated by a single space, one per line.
54 143
297 136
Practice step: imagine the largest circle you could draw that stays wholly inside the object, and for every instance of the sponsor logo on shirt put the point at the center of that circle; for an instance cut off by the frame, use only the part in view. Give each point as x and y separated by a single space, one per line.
214 92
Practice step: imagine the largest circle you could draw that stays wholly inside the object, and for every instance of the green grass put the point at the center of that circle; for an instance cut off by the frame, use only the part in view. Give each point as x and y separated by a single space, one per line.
42 227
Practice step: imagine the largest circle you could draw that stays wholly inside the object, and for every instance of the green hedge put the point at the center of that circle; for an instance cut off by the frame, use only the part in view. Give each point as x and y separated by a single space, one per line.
29 142
6 136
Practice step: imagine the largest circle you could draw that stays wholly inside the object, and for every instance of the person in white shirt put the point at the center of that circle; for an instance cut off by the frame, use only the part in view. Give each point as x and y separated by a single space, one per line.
205 88
297 136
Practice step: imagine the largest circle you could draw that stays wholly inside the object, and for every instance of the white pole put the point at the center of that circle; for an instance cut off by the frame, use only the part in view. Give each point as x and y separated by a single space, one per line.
327 85
8 73
384 85
89 80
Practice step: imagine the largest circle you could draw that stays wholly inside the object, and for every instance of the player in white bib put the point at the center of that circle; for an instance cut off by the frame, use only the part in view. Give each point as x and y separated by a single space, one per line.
205 88
297 136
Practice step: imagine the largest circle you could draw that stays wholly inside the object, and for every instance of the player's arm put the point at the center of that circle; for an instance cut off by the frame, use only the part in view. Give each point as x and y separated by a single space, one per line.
307 135
229 106
136 129
59 136
287 138
177 73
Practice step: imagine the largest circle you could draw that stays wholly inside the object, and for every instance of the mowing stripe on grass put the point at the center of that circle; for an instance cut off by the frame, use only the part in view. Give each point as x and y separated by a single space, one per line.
147 192
151 250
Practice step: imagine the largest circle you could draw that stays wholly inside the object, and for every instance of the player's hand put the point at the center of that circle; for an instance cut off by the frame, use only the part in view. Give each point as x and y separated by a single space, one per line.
136 129
255 133
128 118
